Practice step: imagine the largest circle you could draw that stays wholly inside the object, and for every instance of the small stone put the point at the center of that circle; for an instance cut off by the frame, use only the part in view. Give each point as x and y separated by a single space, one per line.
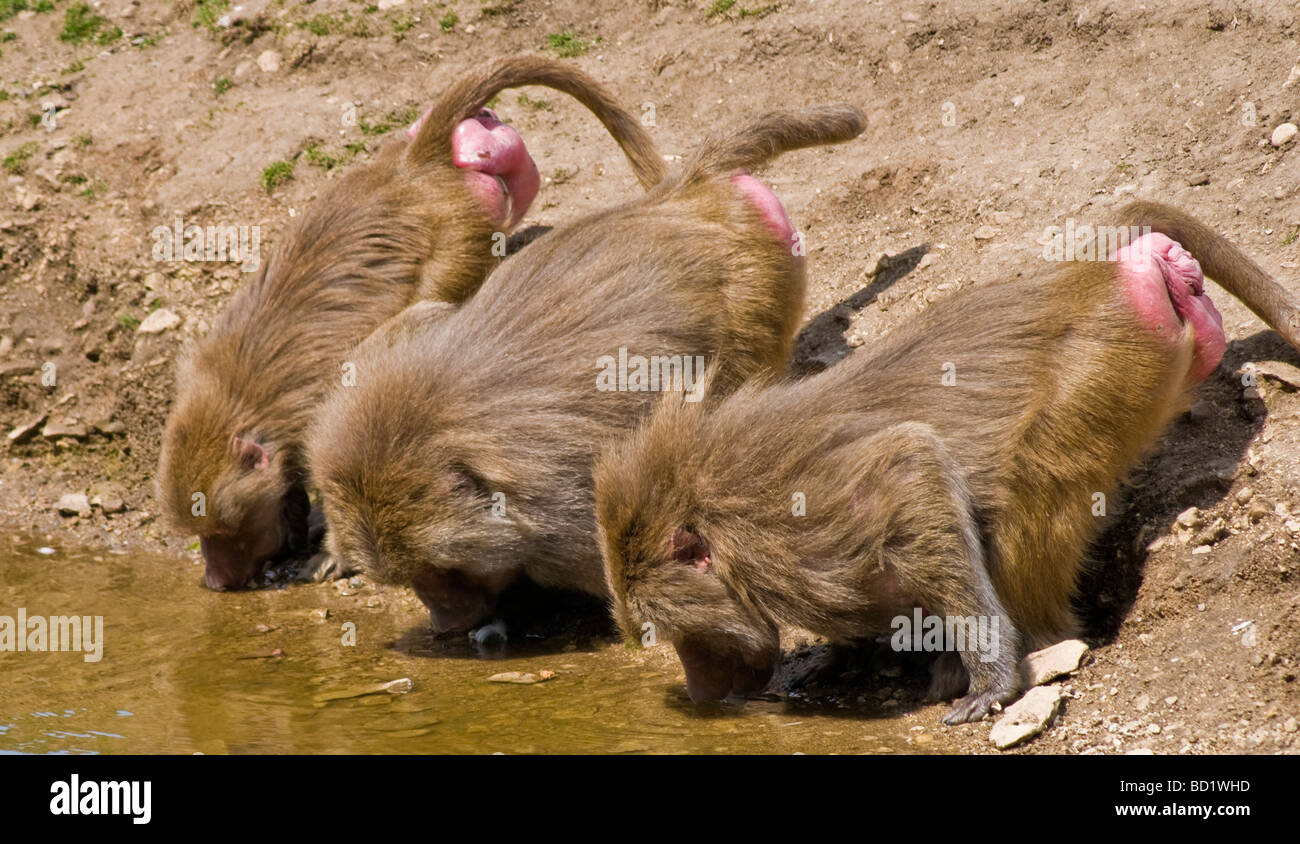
1244 495
73 504
269 61
1027 717
1142 702
985 233
18 367
1292 77
1289 725
112 504
390 4
926 260
1283 134
23 432
58 430
159 321
1052 662
1190 518
517 678
1198 179
1171 700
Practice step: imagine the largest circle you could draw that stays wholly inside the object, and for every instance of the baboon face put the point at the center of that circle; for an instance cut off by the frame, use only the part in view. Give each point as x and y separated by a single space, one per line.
725 645
239 502
445 537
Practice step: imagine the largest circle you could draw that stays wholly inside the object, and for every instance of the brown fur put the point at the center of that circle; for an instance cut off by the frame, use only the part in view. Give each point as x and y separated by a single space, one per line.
500 397
401 229
1058 391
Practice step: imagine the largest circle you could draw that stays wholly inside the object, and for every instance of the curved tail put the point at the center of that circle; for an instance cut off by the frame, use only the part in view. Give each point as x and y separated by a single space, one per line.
1225 263
772 134
465 96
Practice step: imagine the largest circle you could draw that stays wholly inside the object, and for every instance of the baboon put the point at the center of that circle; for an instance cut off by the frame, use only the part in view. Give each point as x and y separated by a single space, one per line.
1043 391
418 223
461 459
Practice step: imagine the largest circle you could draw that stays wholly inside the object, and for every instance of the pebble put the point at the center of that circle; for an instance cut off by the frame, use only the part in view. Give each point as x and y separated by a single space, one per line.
58 430
269 61
985 233
1027 717
1283 134
73 504
1049 663
521 679
159 321
1190 518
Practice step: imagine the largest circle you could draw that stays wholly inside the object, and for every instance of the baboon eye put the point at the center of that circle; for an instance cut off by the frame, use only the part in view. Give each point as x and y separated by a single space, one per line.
462 481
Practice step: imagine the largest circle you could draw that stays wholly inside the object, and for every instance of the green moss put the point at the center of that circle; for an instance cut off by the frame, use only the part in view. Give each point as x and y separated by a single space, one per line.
449 21
275 174
16 161
567 44
81 24
222 85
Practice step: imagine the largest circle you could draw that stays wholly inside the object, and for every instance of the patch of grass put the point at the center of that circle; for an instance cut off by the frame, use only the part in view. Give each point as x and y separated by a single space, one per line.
222 85
81 24
74 180
761 11
83 140
393 118
498 10
34 119
45 6
449 21
9 8
719 9
92 190
325 24
567 44
401 26
318 156
276 174
1289 239
4 95
142 41
536 105
130 323
9 36
356 147
16 161
208 12
76 67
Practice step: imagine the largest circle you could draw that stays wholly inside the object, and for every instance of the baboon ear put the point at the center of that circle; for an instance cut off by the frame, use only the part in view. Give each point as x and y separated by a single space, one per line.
249 454
685 546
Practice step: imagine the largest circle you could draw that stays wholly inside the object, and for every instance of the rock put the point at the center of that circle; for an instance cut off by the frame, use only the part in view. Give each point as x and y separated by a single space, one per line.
390 4
1283 134
1283 373
985 233
18 367
110 428
1027 717
519 678
269 61
1190 519
1142 702
73 504
110 504
1018 100
1244 495
243 69
159 321
1213 533
24 431
1290 725
926 260
392 687
66 428
1197 179
1056 661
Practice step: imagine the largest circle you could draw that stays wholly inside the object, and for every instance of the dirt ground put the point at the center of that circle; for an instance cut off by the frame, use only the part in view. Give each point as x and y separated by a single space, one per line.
990 120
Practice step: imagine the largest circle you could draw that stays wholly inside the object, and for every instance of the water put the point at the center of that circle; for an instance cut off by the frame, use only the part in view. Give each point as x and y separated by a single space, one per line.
186 670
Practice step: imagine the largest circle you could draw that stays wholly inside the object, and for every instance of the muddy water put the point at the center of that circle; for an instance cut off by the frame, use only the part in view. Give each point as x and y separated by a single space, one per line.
185 670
